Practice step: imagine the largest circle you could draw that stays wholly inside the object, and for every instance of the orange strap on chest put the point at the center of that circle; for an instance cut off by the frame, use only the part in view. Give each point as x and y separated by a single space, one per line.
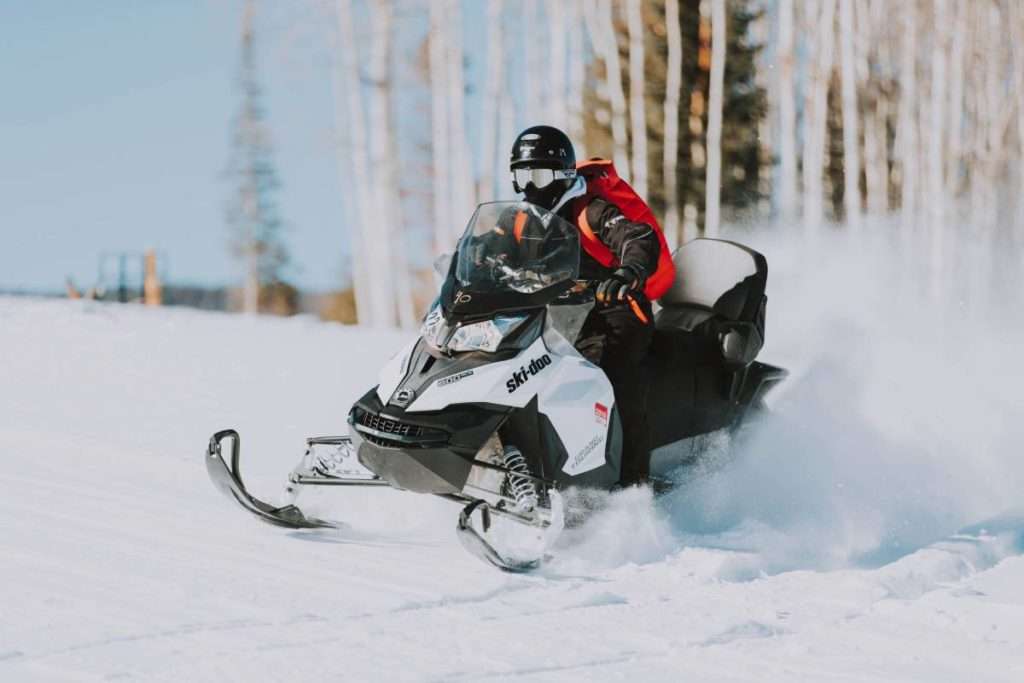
520 224
588 240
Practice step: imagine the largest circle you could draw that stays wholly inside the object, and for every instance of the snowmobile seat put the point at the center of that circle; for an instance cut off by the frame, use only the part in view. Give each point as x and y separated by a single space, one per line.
718 295
708 332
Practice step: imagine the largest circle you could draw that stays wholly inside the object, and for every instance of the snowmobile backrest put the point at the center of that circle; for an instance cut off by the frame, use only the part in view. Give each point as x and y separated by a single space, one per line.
718 293
718 276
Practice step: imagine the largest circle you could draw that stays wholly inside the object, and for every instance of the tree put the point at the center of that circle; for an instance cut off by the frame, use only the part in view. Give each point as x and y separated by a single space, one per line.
673 87
252 212
353 161
714 145
851 127
637 108
787 112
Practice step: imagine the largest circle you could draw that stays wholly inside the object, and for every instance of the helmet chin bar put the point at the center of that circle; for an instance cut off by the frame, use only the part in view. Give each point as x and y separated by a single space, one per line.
546 197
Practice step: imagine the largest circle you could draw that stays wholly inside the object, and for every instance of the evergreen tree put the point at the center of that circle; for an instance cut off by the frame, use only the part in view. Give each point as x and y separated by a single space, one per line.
252 213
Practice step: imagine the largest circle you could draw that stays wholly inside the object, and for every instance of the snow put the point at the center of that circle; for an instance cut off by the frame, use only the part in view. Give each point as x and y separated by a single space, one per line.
871 531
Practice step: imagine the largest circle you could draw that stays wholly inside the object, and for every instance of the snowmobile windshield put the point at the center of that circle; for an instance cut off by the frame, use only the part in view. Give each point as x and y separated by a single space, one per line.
516 247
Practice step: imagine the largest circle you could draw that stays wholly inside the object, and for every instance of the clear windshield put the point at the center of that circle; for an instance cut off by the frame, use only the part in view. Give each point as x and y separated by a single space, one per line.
516 246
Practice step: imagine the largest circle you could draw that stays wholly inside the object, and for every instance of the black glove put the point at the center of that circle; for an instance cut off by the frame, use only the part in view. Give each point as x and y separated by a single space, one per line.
616 288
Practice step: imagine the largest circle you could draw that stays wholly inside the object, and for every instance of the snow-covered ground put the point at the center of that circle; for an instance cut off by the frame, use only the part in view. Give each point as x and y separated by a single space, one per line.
871 531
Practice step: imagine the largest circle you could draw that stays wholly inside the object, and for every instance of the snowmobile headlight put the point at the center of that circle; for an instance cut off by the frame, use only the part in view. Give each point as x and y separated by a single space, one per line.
486 335
434 330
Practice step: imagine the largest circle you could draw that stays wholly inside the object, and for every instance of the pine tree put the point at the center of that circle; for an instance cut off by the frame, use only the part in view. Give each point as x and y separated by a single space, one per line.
252 211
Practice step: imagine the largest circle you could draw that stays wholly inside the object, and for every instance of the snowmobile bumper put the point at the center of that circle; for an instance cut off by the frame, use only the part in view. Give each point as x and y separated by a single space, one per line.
440 471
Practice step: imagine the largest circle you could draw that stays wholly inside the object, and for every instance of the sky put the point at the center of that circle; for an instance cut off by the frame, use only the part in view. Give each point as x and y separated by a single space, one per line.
114 131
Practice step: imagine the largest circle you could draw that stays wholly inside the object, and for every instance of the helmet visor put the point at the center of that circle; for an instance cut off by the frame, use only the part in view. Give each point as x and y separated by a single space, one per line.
540 177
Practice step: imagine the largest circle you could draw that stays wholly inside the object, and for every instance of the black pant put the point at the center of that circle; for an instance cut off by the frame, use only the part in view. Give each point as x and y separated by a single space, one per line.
616 338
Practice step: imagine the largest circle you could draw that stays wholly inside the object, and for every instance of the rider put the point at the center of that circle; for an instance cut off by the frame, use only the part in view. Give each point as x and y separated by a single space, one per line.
618 331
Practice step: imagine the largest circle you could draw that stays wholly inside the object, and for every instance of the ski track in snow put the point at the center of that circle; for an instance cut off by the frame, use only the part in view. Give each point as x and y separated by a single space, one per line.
121 561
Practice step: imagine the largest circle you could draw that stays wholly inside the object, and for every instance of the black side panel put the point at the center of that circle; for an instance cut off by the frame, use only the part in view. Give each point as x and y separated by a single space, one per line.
690 388
523 429
534 434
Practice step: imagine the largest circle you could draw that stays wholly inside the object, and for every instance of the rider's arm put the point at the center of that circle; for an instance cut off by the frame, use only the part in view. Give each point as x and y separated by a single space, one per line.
635 244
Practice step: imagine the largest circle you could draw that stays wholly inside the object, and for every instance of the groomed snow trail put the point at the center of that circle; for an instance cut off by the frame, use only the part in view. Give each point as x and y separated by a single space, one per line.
121 561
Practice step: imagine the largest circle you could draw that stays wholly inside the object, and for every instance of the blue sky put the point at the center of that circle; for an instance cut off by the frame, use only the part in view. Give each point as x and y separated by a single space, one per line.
115 122
114 128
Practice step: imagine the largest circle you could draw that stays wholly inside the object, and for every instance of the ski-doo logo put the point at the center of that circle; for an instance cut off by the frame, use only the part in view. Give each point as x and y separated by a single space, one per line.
523 375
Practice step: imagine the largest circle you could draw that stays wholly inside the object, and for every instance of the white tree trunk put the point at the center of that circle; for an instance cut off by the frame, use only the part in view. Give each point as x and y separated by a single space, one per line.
355 175
388 264
463 190
956 101
712 203
851 125
558 106
637 104
936 146
816 126
876 160
787 114
907 144
440 146
1016 29
577 77
534 75
670 151
489 105
873 40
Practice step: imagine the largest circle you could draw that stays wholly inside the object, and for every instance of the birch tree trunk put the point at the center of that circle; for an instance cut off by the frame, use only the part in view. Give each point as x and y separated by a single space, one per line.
558 110
440 146
670 150
787 113
876 157
1016 29
355 176
907 147
602 33
462 181
956 101
577 77
384 266
851 125
489 105
714 141
637 104
873 41
815 129
533 75
936 146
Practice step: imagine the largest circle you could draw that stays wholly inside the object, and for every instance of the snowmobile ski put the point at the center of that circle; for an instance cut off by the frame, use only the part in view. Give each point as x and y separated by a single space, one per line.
229 481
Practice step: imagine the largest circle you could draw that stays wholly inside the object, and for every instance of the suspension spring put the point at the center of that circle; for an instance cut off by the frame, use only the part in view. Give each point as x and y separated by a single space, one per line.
521 488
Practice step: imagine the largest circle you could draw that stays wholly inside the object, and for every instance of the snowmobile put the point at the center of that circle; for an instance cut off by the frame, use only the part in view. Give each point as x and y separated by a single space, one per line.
494 408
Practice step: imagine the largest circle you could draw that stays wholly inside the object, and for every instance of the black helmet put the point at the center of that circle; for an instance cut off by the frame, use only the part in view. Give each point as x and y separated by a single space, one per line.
540 149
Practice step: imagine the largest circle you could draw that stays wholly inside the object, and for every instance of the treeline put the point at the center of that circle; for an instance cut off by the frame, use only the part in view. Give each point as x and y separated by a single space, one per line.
802 113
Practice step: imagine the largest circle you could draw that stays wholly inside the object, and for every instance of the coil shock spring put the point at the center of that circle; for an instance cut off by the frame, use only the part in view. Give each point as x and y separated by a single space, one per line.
522 488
